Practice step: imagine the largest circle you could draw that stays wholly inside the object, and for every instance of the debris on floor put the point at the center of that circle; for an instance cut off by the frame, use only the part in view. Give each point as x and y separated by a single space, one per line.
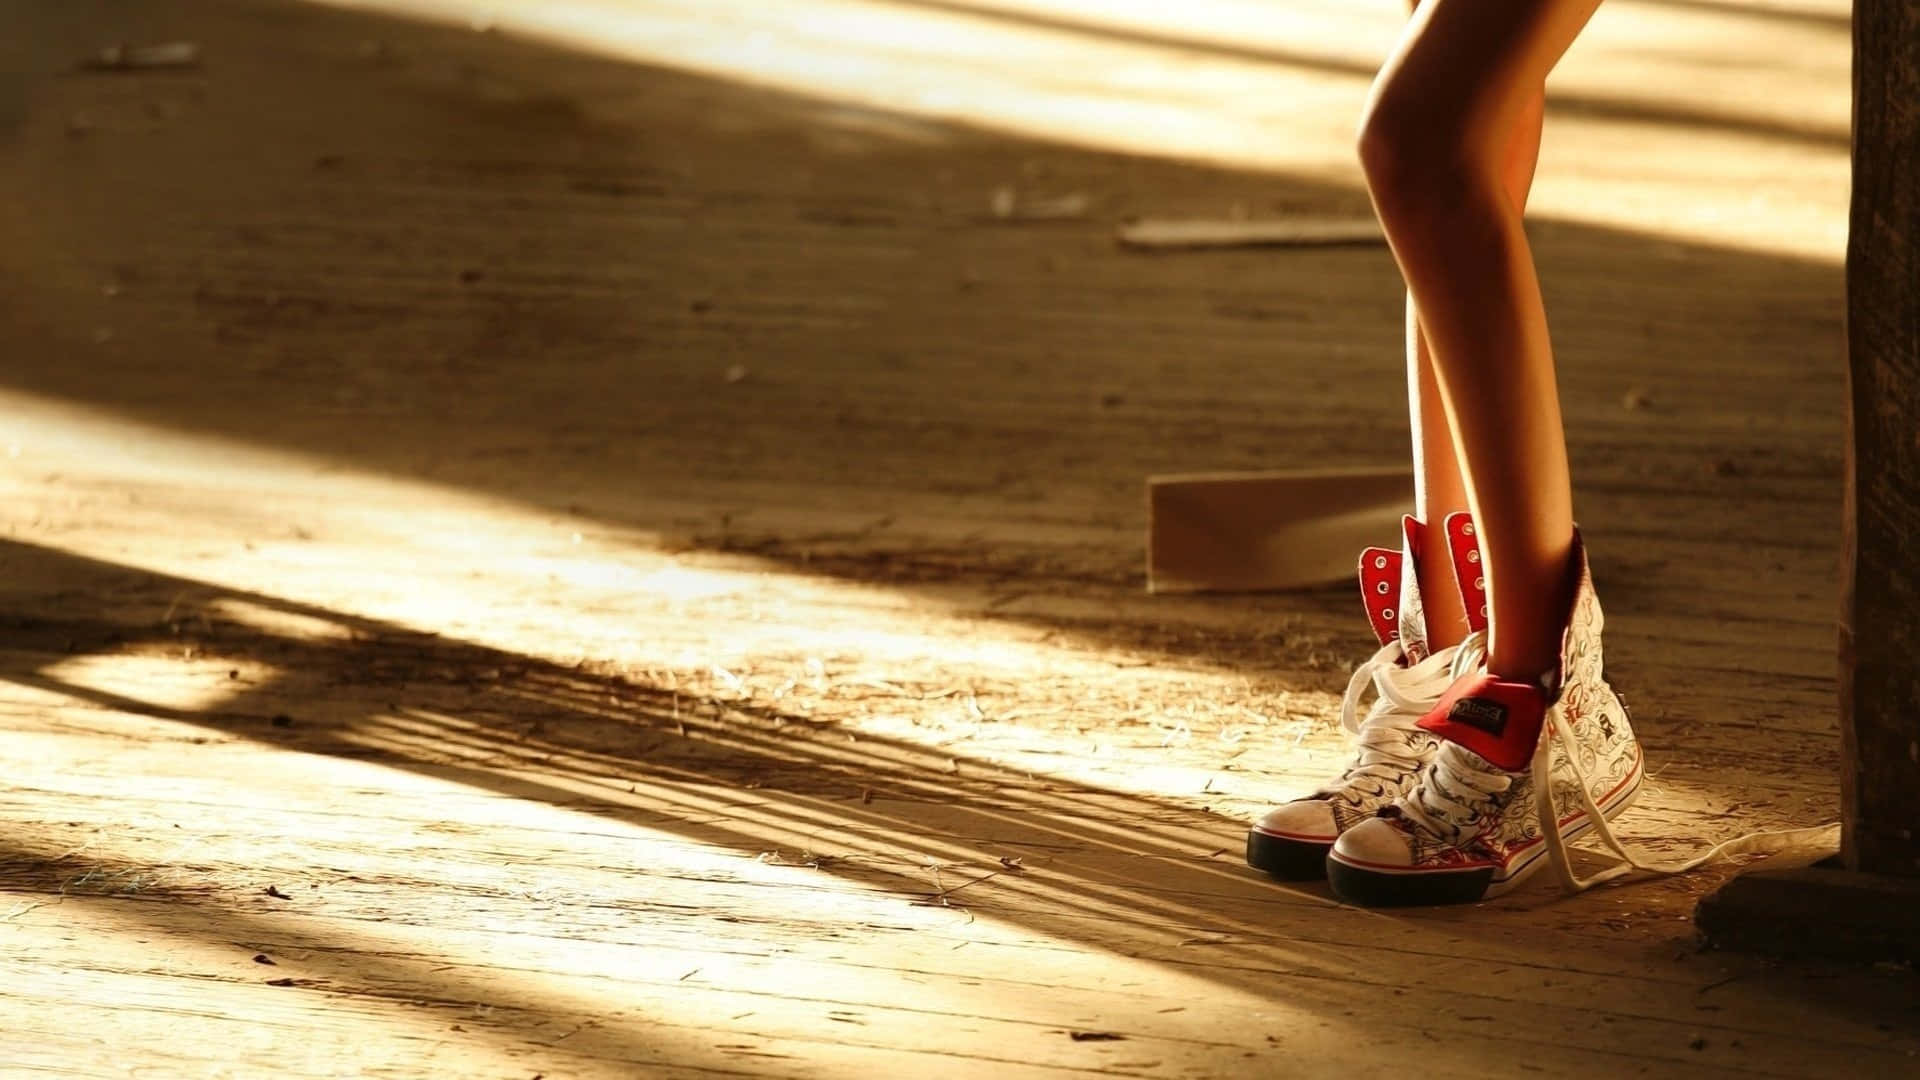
172 55
1150 234
1008 205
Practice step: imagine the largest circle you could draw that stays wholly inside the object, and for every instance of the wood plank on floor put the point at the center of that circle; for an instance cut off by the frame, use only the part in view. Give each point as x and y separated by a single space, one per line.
647 569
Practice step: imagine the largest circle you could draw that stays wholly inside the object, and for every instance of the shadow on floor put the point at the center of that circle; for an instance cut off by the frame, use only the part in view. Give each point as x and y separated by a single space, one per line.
577 284
1131 875
1609 107
633 297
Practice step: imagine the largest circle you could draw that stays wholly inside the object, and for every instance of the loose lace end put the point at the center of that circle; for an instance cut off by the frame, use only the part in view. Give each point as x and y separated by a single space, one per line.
1818 838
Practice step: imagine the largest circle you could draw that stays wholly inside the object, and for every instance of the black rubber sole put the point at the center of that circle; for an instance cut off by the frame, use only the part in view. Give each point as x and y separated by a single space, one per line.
1287 860
1370 888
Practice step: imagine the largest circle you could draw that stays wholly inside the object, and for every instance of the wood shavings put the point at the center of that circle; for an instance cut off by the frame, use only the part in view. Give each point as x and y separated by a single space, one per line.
164 56
1163 235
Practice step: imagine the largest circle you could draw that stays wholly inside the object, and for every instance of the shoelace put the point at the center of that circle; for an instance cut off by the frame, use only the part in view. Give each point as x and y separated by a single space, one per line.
1754 843
1455 793
1402 696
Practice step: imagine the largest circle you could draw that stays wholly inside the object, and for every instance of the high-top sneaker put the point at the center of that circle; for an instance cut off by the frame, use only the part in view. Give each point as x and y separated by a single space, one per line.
1522 769
1291 841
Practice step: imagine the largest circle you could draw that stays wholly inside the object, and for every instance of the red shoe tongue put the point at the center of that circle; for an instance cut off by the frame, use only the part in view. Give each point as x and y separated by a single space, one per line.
1380 591
1413 614
1463 545
1390 588
1495 718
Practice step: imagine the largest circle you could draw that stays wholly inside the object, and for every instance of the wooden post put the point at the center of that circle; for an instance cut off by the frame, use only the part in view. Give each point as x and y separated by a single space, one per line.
1880 548
1866 904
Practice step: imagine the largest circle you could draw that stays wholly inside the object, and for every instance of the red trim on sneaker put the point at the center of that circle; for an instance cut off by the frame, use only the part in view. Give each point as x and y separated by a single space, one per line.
1468 571
1467 863
1495 718
1513 862
1414 633
1512 859
1307 838
1380 591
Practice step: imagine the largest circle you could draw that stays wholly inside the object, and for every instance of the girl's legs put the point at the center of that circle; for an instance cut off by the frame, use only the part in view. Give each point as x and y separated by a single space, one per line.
1439 488
1293 840
1437 147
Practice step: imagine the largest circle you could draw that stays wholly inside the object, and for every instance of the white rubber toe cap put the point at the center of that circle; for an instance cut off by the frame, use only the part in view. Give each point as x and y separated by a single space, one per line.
1309 821
1374 842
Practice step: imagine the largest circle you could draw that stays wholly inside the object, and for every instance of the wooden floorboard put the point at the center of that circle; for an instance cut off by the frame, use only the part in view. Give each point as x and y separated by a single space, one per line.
527 563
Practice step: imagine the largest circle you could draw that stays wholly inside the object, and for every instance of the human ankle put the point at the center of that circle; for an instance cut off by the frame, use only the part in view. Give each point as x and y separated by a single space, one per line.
1445 608
1533 654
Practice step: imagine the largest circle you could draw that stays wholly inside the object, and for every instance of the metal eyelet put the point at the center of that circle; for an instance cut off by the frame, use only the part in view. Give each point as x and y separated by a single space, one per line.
1381 588
1466 529
1379 562
1480 583
1474 555
1386 613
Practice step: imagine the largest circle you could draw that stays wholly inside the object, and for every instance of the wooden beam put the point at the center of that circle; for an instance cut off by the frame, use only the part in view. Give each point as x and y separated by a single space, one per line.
1860 917
1255 531
1880 615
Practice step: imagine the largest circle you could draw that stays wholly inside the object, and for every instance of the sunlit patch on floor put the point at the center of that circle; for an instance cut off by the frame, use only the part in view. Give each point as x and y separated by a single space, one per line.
178 681
518 584
1280 86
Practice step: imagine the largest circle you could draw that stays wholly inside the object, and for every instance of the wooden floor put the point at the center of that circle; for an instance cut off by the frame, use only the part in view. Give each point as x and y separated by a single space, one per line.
524 563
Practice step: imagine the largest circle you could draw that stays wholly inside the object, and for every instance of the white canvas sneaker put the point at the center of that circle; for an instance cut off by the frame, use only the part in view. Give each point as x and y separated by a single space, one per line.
1291 841
1521 770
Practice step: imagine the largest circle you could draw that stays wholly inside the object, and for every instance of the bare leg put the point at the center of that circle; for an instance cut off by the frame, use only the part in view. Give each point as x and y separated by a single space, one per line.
1439 488
1437 146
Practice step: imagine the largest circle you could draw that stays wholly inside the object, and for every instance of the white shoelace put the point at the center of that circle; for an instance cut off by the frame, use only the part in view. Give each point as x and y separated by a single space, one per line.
1402 696
1754 843
1457 791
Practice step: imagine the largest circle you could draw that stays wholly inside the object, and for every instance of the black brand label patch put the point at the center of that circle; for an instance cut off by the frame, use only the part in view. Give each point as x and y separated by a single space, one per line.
1488 716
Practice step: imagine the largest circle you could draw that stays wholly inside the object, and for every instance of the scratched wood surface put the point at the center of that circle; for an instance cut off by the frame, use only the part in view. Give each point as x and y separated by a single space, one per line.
522 563
1880 741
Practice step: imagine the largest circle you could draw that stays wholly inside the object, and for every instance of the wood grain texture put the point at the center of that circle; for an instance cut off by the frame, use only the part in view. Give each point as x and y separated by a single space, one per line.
593 570
1247 532
1865 918
1880 620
